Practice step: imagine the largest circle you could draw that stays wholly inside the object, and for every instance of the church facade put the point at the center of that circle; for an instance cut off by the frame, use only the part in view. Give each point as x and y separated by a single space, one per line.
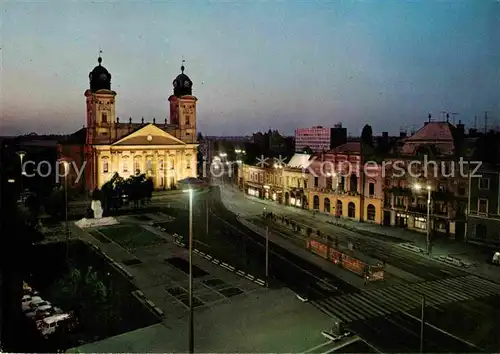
166 152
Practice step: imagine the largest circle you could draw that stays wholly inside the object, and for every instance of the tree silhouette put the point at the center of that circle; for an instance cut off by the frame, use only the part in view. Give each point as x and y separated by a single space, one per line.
367 136
307 150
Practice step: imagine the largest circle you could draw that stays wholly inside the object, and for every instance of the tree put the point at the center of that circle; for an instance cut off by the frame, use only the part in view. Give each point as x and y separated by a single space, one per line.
367 136
55 204
83 292
307 150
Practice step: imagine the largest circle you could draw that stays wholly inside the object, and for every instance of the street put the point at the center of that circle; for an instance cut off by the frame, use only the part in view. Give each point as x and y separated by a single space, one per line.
388 318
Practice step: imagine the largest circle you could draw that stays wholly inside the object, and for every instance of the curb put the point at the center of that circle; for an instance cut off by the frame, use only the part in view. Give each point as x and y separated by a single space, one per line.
112 262
149 303
224 265
229 267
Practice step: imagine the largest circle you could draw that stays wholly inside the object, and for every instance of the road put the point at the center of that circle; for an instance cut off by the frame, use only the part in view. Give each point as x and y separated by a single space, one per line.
384 250
228 240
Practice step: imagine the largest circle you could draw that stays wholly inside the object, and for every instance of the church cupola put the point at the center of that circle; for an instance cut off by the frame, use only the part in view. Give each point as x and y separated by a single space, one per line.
182 84
100 78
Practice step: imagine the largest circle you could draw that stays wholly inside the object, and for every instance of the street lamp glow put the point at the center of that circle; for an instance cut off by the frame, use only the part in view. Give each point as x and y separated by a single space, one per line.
417 186
238 151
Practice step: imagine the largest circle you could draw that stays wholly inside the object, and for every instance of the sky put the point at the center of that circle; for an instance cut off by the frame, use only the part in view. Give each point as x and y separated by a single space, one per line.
255 64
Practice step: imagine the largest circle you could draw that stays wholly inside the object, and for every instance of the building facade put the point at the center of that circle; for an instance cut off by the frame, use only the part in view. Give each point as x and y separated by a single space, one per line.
166 152
264 182
295 178
428 159
483 219
340 184
319 138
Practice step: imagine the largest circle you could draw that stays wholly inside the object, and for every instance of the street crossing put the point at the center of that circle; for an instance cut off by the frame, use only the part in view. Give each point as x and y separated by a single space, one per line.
383 302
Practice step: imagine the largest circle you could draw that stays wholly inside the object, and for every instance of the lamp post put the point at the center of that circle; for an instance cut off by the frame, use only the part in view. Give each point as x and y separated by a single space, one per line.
427 241
267 256
66 171
190 248
21 155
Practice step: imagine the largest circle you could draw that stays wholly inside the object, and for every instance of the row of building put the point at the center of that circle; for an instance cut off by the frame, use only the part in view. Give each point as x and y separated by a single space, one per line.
354 181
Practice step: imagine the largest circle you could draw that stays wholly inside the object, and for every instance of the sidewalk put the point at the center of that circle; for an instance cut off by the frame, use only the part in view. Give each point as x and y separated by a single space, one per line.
441 247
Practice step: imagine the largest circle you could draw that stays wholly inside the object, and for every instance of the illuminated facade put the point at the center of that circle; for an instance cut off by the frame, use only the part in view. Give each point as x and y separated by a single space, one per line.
165 152
339 186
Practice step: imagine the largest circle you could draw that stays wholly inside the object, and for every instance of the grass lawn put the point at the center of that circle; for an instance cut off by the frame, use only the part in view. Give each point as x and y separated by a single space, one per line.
131 237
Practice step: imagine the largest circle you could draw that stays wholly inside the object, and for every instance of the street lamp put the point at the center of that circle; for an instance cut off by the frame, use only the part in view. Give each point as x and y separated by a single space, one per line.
66 172
21 155
267 251
190 248
418 187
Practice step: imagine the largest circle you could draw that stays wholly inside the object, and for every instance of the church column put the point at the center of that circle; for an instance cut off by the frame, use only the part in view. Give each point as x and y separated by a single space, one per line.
156 179
112 158
144 164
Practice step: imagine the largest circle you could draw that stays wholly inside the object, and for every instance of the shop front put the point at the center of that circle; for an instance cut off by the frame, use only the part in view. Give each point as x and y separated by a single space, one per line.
254 190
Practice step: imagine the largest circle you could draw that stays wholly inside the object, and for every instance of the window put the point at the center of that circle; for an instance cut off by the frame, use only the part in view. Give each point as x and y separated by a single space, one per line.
370 212
125 167
484 183
161 167
104 117
420 223
188 162
105 167
137 167
149 165
371 188
316 181
351 210
187 119
482 206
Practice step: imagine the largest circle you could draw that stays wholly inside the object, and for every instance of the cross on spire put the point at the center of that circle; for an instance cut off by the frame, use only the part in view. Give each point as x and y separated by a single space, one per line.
182 66
99 59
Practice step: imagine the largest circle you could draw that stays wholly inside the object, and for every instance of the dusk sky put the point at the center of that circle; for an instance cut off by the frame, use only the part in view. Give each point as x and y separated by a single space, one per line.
255 65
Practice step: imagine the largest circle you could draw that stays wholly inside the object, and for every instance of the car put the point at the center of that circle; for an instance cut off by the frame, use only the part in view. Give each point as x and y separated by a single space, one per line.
42 306
28 300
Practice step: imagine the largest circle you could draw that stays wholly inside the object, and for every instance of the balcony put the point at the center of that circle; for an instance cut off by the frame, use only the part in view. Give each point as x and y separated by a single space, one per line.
418 209
443 196
399 191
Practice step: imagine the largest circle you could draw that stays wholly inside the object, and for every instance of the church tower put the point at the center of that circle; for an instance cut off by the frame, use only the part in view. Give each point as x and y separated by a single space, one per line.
101 116
183 108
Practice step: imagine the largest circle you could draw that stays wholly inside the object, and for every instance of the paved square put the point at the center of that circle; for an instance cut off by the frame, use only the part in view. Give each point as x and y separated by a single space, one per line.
233 314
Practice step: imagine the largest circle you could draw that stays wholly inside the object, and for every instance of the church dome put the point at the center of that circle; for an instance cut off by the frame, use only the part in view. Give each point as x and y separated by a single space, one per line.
182 84
100 78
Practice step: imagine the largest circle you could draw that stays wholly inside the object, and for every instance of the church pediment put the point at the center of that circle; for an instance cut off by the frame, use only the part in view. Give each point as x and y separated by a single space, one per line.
149 135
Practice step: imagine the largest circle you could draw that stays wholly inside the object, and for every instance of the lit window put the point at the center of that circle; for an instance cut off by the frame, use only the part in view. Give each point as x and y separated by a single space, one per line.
137 166
105 167
125 167
420 223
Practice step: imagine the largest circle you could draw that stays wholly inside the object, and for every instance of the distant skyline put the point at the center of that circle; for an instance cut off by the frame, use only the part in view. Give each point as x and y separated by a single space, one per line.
255 65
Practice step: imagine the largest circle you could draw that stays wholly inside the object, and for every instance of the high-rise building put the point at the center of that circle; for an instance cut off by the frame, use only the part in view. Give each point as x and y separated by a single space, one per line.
319 138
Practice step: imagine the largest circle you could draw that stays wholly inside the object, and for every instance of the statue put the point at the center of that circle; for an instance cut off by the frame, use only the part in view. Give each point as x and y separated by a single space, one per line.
97 209
96 204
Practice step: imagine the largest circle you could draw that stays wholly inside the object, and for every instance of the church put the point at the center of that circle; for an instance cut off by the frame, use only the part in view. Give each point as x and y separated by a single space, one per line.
165 151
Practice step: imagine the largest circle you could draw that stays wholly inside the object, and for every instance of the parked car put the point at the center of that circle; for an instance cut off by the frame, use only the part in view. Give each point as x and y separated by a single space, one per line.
49 324
27 300
42 307
44 311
